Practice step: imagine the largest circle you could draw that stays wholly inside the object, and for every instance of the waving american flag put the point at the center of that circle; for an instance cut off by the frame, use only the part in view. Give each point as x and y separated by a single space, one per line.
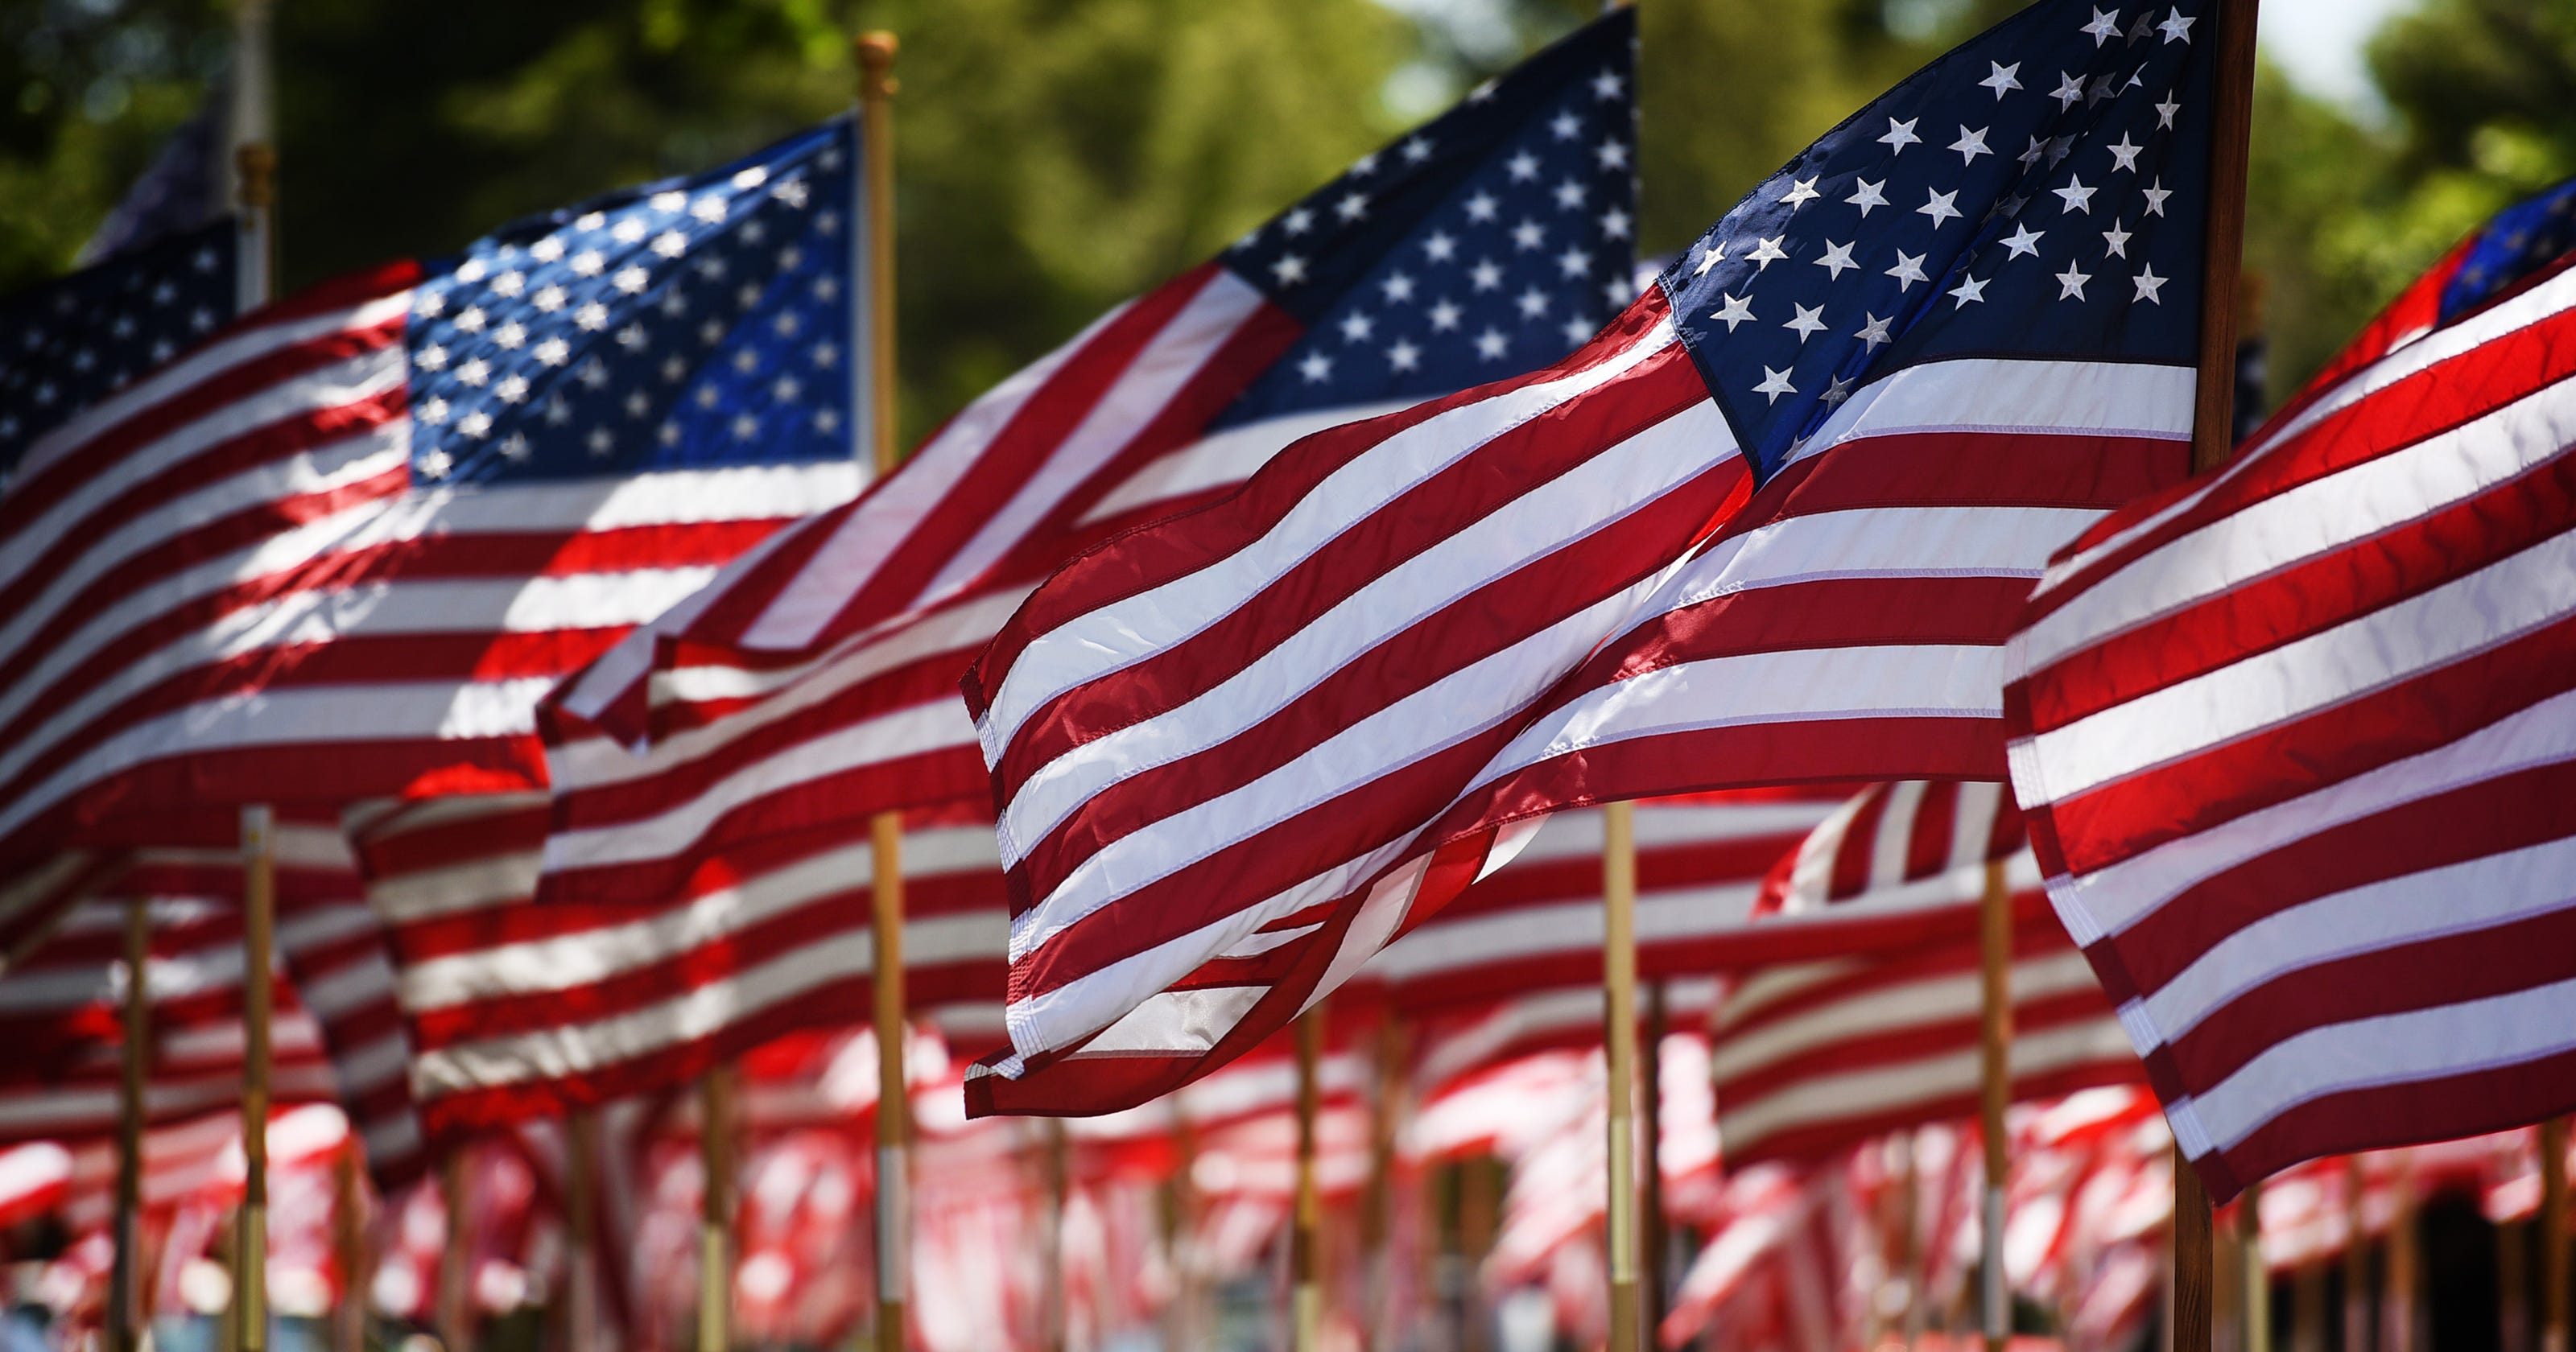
341 548
1771 526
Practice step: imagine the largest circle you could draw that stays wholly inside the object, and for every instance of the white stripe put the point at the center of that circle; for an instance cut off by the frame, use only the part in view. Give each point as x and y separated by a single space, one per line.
1160 370
2319 517
527 605
922 727
308 716
1090 646
2529 308
1796 685
469 885
1893 841
1876 1008
2117 895
1594 496
1443 945
869 534
2008 396
2448 1040
1226 458
1859 1093
1972 821
2385 914
1811 879
2262 690
962 629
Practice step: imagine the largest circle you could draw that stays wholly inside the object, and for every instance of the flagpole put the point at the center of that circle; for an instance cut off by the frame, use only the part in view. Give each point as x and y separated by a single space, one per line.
715 1220
2356 1260
2398 1307
259 910
1994 913
1650 1176
349 1249
452 1311
2256 1304
1059 1170
2553 1235
581 1219
1477 1206
1619 1036
1377 1218
875 52
124 1290
2212 440
1305 1236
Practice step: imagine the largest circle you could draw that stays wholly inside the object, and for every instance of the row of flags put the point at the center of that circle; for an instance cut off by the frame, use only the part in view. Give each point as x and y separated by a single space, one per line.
1307 607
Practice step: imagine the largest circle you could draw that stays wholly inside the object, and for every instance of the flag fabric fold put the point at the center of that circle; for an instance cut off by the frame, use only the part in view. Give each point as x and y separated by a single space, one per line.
2294 739
1772 525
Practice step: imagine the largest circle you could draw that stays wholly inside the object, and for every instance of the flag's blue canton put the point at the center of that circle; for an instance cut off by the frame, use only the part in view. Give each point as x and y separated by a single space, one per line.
183 190
2037 193
1492 241
73 341
688 324
2522 239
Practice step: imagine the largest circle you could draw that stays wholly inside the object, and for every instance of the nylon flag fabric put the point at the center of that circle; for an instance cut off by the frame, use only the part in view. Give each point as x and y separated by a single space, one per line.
1768 527
1812 1057
341 549
815 682
2296 741
519 1011
1535 924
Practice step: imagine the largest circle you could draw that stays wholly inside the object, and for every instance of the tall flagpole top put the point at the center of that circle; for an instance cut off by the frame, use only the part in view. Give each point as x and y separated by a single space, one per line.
876 63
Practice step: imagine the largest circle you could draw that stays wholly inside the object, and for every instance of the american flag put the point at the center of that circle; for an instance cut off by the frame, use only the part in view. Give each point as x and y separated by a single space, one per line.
1811 1057
62 1015
74 341
342 548
1769 527
1535 924
338 958
2296 740
815 682
519 1011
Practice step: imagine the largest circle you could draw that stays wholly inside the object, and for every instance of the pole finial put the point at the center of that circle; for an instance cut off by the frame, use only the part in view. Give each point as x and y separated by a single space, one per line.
875 50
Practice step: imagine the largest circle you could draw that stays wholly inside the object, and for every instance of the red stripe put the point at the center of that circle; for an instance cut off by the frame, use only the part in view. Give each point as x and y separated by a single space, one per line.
2441 398
1853 853
2442 1108
2320 593
2302 755
1936 816
1182 544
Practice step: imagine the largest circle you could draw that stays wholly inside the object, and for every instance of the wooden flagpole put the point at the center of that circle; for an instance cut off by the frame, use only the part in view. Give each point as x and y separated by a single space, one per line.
1619 1036
259 912
452 1310
1995 1044
2553 1235
581 1221
875 52
2356 1259
2399 1303
715 1218
124 1289
1477 1208
349 1248
1306 1233
1378 1216
1652 1227
2255 1279
1059 1183
2212 440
